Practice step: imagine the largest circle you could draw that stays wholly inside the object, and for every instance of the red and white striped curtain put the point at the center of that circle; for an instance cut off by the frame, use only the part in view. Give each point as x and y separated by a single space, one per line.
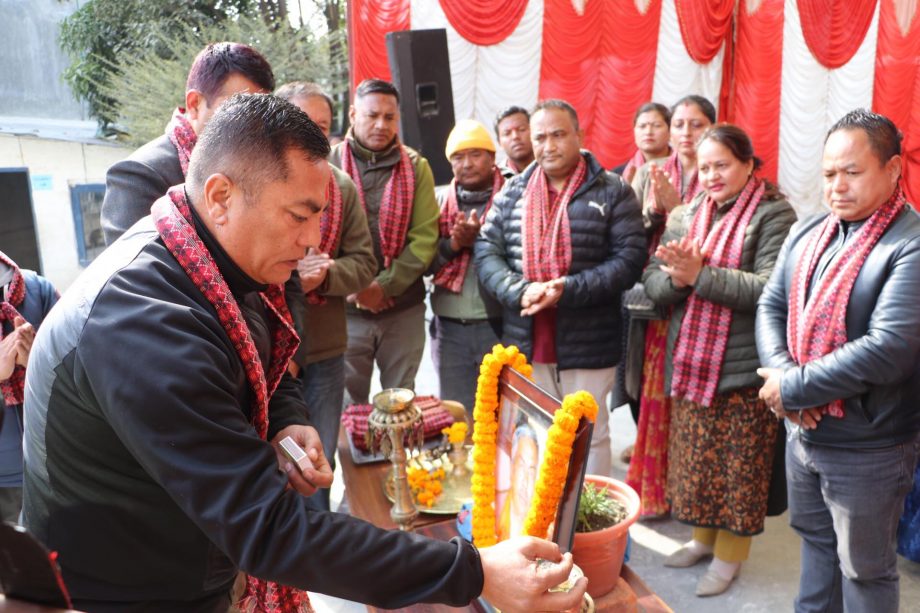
784 70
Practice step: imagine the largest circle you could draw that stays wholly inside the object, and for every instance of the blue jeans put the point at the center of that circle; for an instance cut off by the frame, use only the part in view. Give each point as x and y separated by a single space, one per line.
845 504
457 351
323 392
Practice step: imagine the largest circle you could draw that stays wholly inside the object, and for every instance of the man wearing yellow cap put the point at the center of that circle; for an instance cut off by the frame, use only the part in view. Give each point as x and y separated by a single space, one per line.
465 325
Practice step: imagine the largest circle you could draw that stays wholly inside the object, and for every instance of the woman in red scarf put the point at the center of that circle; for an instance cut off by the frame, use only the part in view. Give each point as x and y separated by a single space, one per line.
651 130
713 261
660 189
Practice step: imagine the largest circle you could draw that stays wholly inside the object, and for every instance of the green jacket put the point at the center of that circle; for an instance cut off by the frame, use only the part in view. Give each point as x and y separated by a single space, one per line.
738 289
325 330
402 280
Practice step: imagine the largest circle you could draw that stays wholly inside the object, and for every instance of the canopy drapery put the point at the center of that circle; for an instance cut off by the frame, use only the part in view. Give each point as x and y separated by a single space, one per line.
834 29
484 22
784 70
897 82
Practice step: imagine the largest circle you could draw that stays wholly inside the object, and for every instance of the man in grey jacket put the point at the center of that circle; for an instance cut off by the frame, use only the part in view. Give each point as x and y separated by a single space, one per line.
132 185
838 331
219 71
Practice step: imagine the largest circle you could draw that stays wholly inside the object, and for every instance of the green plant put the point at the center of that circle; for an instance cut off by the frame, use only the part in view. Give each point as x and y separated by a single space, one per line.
103 32
145 88
598 509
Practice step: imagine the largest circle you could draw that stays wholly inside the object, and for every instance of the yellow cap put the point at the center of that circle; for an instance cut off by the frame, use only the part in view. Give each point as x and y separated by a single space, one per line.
468 134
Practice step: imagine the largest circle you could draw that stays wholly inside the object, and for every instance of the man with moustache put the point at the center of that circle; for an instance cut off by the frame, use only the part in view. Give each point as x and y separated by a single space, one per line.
341 264
466 324
561 243
386 319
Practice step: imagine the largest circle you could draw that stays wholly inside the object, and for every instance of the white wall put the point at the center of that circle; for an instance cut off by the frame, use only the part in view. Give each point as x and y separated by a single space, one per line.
67 163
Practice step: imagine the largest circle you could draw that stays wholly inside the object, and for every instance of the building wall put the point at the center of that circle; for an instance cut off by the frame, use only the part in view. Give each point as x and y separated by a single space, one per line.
67 163
33 62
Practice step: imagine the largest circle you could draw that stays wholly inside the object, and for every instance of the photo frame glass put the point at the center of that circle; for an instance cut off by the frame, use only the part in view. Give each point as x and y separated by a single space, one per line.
525 416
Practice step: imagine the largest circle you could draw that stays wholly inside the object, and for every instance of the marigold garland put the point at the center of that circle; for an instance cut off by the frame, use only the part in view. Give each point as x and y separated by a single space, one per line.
555 465
485 429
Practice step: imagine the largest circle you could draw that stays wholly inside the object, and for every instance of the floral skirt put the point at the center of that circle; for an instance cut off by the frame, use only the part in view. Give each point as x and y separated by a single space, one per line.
721 460
648 468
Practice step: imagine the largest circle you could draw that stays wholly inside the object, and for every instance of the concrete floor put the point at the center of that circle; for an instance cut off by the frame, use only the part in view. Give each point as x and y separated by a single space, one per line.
768 581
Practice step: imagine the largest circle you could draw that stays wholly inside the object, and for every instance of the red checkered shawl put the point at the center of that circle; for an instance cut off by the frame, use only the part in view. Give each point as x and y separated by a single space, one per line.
182 136
173 219
13 387
396 206
634 164
546 236
330 229
453 273
817 323
700 349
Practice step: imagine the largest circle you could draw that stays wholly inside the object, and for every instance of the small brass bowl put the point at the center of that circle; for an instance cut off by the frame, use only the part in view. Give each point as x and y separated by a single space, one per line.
393 400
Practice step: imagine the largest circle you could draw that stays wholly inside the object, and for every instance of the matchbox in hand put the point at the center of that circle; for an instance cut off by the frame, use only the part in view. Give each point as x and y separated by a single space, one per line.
295 454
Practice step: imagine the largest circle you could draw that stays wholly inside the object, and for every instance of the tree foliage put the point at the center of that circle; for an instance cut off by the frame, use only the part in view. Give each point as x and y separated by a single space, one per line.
130 58
145 87
101 32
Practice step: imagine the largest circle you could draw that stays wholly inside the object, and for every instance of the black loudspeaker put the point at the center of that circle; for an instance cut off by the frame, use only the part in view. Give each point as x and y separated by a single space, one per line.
18 239
420 66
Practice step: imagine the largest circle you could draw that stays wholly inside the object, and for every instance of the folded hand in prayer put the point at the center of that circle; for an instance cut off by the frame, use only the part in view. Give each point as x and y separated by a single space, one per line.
313 268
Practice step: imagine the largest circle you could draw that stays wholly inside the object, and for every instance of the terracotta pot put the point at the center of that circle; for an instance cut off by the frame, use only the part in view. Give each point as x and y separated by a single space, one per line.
600 553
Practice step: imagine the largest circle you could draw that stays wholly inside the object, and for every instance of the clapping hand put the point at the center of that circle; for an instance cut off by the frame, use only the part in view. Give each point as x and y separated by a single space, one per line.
465 231
683 260
15 347
664 195
312 269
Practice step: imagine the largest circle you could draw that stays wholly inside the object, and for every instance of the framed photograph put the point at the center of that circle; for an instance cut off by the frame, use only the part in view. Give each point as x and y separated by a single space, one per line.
525 415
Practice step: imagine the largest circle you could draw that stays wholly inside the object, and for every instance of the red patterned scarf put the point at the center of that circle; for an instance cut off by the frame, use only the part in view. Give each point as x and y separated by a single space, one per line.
635 163
173 219
14 387
547 239
817 323
182 136
330 229
700 350
452 274
675 170
396 206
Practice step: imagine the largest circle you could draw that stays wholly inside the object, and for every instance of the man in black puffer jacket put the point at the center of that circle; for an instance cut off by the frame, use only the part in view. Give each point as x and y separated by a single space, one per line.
561 243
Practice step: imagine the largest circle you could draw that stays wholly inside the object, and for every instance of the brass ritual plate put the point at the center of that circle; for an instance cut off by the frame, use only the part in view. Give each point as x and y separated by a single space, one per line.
456 488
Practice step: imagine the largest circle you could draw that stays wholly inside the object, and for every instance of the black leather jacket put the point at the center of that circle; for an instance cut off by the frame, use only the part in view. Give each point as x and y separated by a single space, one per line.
877 371
608 253
144 472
